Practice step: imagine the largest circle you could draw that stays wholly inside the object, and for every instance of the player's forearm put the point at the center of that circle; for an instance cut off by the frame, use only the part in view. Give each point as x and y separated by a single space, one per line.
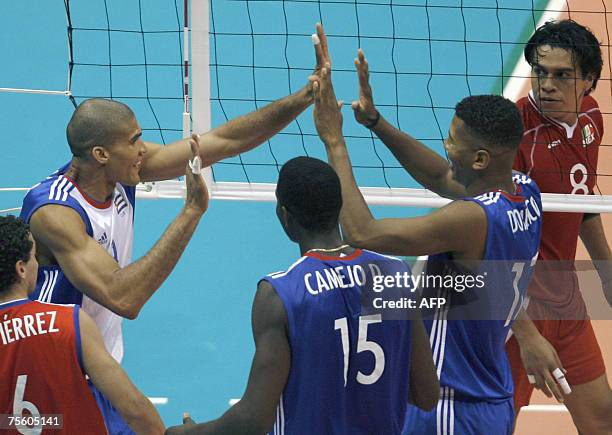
425 165
355 215
523 327
248 131
143 418
135 284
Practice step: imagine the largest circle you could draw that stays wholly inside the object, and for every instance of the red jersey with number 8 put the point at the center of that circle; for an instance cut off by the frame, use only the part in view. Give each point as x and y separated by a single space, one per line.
41 371
560 159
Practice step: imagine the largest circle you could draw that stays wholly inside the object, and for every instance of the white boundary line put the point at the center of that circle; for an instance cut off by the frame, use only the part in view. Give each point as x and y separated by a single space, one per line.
158 400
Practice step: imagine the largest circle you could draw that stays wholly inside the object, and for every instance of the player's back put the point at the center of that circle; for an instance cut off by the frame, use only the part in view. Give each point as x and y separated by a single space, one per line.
41 368
349 372
468 334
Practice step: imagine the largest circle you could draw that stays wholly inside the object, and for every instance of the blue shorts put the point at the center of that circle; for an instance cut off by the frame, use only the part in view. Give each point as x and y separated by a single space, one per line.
115 424
456 417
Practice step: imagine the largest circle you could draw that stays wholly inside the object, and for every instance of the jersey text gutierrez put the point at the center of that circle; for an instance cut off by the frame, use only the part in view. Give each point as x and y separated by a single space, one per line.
16 328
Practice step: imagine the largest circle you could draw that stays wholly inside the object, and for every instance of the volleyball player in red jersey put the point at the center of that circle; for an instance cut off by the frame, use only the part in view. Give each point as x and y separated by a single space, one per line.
563 131
45 352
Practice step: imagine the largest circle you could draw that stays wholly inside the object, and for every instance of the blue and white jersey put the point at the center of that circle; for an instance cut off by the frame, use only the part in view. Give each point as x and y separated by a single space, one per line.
349 372
111 224
468 334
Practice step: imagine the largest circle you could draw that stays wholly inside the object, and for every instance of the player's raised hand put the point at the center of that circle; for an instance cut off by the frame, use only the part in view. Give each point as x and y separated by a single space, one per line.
197 192
327 115
544 368
321 49
364 109
319 41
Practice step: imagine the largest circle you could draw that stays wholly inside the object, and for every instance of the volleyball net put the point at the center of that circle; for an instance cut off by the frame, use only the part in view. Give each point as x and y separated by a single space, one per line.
184 66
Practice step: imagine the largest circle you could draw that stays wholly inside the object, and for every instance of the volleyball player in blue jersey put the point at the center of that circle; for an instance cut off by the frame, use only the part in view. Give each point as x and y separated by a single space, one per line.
498 217
321 365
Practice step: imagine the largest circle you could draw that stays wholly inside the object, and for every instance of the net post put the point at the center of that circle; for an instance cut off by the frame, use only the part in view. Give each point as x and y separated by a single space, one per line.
200 73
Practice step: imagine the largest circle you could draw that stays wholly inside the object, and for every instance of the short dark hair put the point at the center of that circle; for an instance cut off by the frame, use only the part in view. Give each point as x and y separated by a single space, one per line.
310 189
96 122
493 119
571 36
15 245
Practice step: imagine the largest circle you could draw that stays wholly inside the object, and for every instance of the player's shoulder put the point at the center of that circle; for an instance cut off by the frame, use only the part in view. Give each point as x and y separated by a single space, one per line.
522 179
54 189
590 108
522 102
294 268
27 306
41 190
367 255
53 305
533 120
527 185
589 104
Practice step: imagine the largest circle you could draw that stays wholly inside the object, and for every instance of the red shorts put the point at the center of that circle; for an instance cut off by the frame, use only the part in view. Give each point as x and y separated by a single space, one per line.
576 345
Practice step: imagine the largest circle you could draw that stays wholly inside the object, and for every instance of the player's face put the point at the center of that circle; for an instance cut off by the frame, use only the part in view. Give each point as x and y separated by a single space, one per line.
460 152
557 83
127 155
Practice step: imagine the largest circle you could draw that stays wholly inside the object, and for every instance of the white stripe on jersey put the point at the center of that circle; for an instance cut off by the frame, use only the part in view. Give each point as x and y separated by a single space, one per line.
276 423
279 425
59 191
521 178
445 412
437 337
489 198
52 286
43 287
439 412
67 190
282 416
442 339
48 284
434 326
452 412
53 186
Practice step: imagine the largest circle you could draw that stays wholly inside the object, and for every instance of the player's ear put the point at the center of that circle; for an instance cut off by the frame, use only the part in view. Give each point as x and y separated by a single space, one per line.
588 80
20 269
482 159
100 154
281 213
